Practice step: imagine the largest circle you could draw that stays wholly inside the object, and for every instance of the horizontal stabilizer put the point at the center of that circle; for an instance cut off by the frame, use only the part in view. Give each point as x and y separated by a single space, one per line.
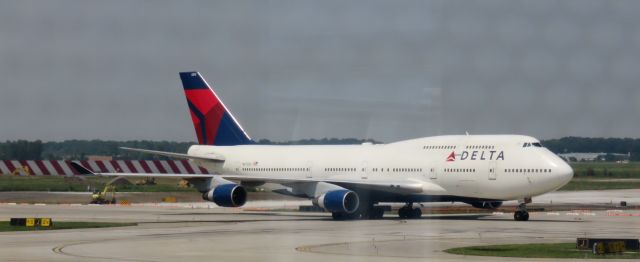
213 158
81 170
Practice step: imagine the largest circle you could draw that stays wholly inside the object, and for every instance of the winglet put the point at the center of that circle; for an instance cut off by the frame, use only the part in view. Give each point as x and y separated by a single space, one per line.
80 169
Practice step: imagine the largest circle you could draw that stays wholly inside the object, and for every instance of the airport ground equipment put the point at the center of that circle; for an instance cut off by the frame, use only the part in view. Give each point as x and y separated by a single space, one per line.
106 196
147 181
184 183
586 243
23 170
169 199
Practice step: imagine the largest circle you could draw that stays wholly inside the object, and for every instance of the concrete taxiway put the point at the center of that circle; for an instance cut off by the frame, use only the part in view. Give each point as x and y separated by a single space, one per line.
171 233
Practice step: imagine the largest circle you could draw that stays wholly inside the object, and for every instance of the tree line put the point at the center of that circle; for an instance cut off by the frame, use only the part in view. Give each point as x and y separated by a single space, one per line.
80 149
595 145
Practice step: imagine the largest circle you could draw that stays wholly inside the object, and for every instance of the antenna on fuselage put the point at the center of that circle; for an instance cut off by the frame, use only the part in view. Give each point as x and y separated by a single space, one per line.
466 132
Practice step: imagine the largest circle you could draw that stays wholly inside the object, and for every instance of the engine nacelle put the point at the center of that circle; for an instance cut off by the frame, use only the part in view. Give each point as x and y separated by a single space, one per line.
227 195
487 204
339 201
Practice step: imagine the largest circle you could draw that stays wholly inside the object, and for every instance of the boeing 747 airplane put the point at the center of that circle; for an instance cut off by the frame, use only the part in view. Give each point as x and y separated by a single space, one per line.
350 181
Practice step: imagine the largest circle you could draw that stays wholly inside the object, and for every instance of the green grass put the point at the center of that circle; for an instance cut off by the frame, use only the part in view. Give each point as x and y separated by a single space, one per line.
606 170
585 174
580 184
557 250
4 226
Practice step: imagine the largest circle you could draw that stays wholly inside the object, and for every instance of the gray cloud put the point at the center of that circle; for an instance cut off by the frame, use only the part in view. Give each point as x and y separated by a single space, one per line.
388 70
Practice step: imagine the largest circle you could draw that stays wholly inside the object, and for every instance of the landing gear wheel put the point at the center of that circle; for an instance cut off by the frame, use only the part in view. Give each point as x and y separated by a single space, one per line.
521 213
403 212
416 213
408 212
521 216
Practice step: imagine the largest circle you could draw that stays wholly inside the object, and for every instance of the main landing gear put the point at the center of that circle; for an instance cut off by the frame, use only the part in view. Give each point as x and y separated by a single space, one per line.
521 213
409 212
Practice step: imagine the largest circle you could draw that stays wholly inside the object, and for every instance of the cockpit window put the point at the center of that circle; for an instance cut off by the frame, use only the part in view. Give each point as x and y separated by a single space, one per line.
537 144
526 145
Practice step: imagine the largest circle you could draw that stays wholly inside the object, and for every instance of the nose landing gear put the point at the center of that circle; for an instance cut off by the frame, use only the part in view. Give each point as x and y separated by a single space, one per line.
521 213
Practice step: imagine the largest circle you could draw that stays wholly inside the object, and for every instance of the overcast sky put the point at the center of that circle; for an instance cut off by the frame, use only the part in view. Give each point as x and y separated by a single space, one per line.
387 70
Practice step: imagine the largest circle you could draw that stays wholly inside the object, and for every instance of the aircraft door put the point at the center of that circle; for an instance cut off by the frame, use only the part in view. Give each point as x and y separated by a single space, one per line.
309 173
433 174
492 170
364 170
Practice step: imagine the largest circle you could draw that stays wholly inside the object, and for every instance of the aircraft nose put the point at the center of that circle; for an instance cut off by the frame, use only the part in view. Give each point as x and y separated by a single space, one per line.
564 172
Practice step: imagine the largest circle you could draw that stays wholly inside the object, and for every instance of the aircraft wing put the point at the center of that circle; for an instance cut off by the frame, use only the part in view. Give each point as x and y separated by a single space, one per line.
396 186
213 158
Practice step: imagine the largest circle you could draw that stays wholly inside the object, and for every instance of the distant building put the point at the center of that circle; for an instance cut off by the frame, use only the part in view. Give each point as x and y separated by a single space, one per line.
99 158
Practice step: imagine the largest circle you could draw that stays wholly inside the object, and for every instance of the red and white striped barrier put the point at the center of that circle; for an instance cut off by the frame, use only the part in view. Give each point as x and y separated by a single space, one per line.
63 167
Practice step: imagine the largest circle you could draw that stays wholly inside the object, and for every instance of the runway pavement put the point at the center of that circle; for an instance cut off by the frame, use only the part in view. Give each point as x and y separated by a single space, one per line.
173 233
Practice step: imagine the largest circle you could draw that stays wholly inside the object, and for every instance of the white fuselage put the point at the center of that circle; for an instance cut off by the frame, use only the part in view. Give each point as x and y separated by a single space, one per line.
500 167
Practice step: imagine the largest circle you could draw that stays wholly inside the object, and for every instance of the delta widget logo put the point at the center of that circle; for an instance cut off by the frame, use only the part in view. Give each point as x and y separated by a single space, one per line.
476 155
451 157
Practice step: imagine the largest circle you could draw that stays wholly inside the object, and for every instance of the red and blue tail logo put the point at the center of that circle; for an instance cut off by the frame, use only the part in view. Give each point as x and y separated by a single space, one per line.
214 124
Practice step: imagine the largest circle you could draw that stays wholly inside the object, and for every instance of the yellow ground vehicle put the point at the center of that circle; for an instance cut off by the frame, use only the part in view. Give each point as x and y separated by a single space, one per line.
184 183
106 196
21 171
147 181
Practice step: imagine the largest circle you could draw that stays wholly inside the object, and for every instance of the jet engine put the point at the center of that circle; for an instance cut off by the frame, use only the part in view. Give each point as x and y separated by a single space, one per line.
487 204
227 195
343 200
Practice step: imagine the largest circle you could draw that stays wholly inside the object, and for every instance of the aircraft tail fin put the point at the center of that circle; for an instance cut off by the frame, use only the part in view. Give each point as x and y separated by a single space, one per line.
214 123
